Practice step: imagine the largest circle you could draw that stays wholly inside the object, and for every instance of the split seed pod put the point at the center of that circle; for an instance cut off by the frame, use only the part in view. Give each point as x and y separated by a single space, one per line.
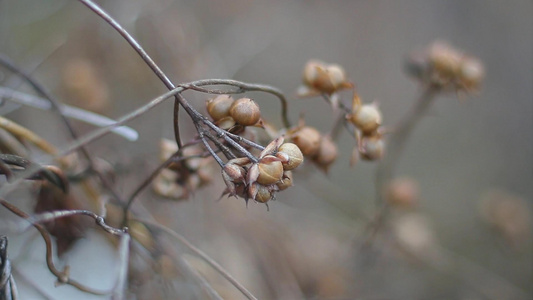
270 170
286 181
372 148
307 139
294 154
367 118
219 107
263 194
245 112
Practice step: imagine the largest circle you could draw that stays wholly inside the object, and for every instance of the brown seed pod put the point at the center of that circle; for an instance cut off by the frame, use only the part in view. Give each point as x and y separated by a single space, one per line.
327 153
270 170
219 106
263 194
286 181
372 148
294 155
403 192
245 112
367 118
323 77
307 139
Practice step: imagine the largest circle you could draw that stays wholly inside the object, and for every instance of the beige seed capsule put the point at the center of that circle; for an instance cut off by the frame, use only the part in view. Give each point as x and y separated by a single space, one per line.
294 154
270 172
263 194
367 118
286 181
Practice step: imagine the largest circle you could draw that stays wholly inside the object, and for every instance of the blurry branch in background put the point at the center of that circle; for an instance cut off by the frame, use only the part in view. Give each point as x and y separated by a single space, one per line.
63 276
144 55
67 110
200 253
10 65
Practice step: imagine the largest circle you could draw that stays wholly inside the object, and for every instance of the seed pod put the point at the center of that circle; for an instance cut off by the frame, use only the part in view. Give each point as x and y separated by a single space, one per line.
294 155
307 139
403 192
471 73
444 60
245 112
367 118
372 148
225 123
286 181
219 106
336 75
270 170
312 71
263 194
327 153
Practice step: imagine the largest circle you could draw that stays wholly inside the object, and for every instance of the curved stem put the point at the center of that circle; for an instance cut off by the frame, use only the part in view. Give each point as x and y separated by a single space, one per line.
201 254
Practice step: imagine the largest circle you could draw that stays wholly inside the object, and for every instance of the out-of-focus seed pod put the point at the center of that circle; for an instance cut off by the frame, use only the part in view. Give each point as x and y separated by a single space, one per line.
403 192
325 78
294 154
444 60
372 148
307 139
367 118
263 194
312 71
471 73
286 181
337 75
245 112
327 153
165 185
270 171
219 106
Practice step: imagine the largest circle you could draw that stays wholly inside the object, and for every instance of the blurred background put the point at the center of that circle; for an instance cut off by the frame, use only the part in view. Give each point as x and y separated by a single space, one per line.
469 155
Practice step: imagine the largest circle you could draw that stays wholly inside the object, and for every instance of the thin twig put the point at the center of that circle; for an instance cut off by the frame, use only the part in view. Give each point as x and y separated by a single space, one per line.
387 166
62 276
201 254
144 55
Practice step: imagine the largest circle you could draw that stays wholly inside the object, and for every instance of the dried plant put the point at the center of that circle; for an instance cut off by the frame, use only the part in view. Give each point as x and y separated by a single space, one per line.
231 150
